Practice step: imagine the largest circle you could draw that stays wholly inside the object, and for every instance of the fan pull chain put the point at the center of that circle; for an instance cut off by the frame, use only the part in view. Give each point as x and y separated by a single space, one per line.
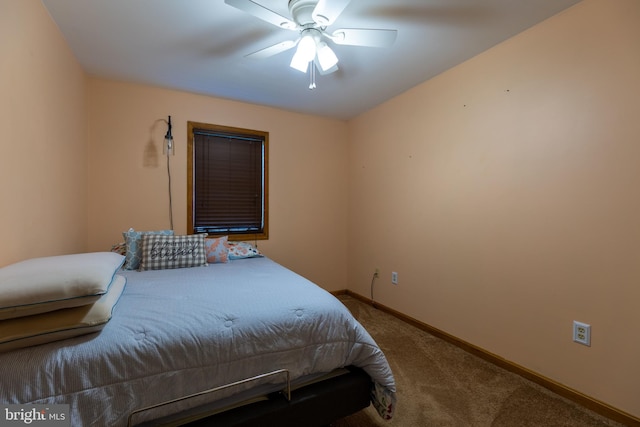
312 75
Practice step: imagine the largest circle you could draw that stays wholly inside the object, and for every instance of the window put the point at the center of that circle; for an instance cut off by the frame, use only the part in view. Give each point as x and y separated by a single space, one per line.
227 171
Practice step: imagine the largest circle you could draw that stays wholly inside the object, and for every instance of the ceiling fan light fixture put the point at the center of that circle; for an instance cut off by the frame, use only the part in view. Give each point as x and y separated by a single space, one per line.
307 46
299 63
305 53
326 57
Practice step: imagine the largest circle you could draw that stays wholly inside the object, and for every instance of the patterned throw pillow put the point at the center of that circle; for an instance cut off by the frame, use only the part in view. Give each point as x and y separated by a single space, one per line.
217 249
239 250
120 248
132 240
160 252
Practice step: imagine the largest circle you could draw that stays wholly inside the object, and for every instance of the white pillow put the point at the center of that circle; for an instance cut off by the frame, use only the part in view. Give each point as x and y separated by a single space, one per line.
40 285
60 324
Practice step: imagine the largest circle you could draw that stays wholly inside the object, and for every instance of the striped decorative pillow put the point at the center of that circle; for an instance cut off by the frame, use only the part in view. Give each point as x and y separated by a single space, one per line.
161 252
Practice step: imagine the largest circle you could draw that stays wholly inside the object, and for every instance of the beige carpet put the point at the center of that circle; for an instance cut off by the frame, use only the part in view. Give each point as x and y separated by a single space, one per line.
441 385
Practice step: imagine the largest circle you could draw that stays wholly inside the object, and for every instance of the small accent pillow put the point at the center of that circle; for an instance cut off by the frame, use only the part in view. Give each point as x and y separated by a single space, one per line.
239 250
39 285
217 249
60 324
160 252
133 239
120 248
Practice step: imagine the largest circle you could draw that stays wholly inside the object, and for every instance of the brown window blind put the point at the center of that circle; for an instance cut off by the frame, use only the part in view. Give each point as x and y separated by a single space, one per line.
228 182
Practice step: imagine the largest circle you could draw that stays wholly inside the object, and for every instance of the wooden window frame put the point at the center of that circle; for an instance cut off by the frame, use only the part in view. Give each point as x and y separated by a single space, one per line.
192 128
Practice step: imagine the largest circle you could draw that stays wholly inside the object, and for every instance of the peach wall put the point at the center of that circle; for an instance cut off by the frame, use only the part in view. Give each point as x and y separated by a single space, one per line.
43 143
503 191
505 194
128 183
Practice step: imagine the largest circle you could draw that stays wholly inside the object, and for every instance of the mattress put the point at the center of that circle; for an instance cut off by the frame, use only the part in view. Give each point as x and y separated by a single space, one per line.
178 332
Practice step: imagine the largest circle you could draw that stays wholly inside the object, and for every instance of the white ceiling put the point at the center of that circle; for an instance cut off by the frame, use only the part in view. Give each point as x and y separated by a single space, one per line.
199 46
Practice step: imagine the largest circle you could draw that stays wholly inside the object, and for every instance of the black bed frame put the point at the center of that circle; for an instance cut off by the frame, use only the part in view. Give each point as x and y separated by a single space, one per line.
314 405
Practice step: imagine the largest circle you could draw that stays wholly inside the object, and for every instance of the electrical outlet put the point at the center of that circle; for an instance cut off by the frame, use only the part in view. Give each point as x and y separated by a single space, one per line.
394 278
376 274
582 333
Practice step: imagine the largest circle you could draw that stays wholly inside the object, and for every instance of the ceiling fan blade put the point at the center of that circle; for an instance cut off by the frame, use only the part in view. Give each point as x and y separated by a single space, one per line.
364 37
327 11
263 13
272 50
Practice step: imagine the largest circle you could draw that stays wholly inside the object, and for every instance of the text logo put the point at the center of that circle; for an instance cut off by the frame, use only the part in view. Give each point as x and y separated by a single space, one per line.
35 415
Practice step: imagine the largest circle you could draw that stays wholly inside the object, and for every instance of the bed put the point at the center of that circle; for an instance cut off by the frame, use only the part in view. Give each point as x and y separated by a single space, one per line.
251 343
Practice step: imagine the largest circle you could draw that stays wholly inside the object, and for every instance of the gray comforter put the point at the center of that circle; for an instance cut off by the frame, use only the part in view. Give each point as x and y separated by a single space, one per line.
178 332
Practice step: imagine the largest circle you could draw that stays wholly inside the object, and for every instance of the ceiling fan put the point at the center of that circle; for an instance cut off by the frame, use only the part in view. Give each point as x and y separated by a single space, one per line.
310 18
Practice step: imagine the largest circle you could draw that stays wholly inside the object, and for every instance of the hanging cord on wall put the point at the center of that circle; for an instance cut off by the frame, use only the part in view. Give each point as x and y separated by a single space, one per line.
170 201
169 149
